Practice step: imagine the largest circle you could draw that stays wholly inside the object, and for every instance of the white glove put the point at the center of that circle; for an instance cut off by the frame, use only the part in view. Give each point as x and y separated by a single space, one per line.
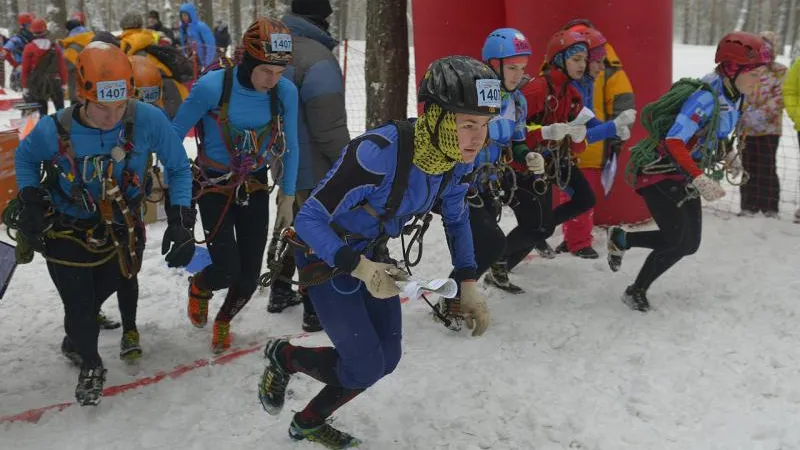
535 162
577 132
376 278
625 118
709 189
284 214
473 308
25 92
734 164
555 132
623 133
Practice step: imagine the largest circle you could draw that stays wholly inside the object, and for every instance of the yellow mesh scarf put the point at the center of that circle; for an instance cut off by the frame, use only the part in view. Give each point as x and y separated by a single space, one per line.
429 158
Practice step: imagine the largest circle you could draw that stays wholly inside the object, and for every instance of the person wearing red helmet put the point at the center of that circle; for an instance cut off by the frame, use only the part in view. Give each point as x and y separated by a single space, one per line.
594 160
557 126
13 48
672 169
44 69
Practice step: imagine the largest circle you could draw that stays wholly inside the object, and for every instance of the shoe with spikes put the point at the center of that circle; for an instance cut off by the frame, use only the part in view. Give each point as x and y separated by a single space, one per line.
272 386
324 434
129 348
636 299
197 308
89 391
498 277
616 247
450 310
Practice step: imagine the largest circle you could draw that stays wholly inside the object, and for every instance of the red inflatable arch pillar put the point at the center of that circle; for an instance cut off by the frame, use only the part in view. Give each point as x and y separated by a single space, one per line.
641 33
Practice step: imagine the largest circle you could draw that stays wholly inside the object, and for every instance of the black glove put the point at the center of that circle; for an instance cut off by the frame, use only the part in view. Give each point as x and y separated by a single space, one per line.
179 235
33 220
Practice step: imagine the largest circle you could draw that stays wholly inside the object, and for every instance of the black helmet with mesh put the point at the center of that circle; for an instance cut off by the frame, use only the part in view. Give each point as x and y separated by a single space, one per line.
461 84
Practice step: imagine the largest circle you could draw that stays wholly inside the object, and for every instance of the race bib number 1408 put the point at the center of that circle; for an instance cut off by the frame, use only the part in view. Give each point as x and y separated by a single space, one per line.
488 93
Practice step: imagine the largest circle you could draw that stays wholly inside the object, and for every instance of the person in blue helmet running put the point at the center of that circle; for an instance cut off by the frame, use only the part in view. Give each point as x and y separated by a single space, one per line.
352 209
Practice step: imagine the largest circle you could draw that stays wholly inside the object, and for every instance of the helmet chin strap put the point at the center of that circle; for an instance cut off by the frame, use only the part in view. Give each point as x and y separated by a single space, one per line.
731 91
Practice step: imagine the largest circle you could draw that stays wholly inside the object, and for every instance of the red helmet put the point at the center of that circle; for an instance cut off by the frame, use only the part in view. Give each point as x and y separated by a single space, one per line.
38 27
563 40
79 16
742 48
24 19
596 38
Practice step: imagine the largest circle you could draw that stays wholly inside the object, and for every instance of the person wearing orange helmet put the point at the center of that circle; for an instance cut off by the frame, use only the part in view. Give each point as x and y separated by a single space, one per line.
148 84
674 167
247 117
95 153
44 70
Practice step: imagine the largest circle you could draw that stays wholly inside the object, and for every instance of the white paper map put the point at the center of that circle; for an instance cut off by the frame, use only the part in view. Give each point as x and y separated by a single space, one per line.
413 289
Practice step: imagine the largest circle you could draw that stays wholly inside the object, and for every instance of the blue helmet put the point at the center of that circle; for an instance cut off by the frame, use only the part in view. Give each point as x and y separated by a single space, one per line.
504 43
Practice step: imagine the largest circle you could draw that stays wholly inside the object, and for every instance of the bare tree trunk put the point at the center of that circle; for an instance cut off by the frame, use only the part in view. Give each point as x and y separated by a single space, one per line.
696 20
386 68
57 17
687 17
744 12
254 11
236 22
712 36
13 13
207 12
344 14
782 29
791 25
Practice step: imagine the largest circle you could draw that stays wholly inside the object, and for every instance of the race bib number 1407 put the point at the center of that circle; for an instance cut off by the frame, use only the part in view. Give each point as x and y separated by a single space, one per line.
112 91
281 42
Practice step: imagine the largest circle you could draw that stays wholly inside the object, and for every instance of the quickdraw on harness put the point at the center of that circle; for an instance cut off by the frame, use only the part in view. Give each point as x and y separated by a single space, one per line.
319 272
243 146
498 180
112 201
649 156
558 154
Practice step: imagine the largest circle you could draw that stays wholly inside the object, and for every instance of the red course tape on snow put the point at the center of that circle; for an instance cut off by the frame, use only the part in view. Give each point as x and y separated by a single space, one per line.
33 415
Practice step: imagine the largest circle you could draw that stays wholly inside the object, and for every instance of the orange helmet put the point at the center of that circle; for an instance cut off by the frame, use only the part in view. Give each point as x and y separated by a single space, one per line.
268 40
24 19
147 80
103 73
38 27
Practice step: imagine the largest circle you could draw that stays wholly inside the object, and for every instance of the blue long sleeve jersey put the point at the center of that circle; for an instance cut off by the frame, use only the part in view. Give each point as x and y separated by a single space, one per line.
697 110
596 129
152 133
506 128
248 110
365 174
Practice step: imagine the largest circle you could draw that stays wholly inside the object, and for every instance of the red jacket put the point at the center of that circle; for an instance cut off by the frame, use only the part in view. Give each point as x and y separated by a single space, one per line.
551 98
33 53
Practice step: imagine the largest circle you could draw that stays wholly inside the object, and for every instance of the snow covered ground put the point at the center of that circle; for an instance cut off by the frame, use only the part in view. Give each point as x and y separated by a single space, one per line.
565 366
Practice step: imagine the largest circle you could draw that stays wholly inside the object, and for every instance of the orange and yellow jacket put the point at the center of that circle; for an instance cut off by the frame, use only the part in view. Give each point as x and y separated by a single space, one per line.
74 44
613 94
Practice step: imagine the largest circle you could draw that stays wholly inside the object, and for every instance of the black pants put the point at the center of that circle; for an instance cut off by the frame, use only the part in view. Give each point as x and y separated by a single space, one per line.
237 248
56 94
763 190
83 291
678 234
488 238
536 218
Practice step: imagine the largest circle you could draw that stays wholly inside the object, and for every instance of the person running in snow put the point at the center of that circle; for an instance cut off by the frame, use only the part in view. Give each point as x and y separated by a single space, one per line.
506 51
322 128
44 70
84 218
14 47
553 103
248 116
606 90
196 37
674 167
349 213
